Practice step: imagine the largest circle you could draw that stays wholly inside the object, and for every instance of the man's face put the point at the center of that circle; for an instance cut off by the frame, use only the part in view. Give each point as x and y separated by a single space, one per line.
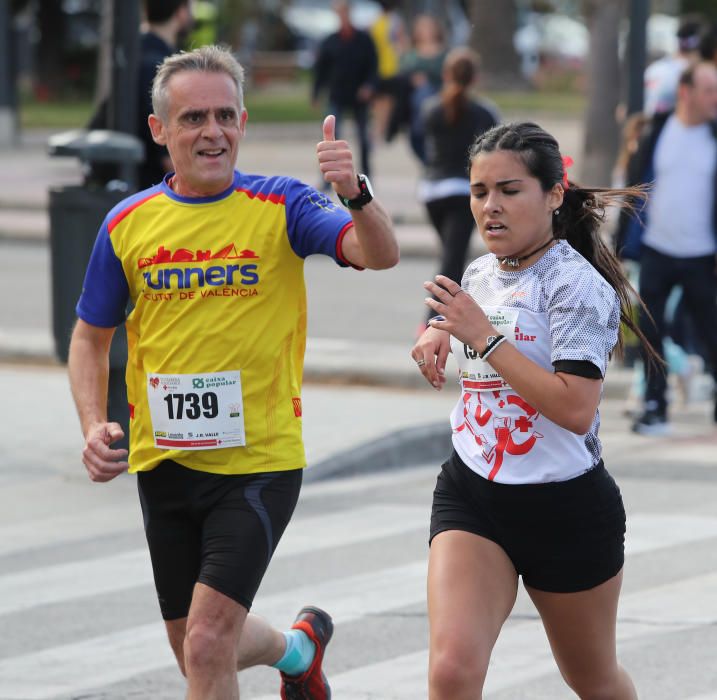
702 95
201 131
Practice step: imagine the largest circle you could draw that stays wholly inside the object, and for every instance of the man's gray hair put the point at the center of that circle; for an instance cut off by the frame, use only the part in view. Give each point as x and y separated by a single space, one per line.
209 59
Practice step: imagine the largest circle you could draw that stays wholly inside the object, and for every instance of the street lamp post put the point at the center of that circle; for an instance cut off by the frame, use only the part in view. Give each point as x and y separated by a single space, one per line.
124 69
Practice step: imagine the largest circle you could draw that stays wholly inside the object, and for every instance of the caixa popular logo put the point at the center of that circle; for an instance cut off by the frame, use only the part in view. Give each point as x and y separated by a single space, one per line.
166 274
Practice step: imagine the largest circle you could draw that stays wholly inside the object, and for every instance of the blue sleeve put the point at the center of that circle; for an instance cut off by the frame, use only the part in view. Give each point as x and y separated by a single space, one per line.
105 291
314 223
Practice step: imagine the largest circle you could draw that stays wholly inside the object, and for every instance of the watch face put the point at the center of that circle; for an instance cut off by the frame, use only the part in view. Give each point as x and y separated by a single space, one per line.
365 181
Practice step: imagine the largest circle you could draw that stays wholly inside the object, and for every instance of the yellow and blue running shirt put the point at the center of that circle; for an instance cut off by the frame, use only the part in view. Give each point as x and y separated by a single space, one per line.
217 287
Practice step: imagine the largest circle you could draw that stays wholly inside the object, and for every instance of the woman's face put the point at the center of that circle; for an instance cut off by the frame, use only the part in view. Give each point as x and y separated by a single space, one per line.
426 29
513 214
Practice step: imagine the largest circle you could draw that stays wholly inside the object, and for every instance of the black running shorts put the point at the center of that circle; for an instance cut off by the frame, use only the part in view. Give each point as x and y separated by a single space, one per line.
562 537
214 529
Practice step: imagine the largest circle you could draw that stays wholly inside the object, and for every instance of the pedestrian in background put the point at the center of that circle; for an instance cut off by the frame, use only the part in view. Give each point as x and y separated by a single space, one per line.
212 260
675 238
347 68
684 366
525 492
167 22
389 36
451 122
661 83
420 78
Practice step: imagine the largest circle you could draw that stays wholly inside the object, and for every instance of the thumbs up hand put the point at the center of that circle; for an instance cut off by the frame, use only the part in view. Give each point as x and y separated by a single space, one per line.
336 161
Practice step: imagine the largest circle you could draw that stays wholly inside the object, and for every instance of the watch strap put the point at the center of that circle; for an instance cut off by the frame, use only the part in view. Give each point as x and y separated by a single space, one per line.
363 198
493 343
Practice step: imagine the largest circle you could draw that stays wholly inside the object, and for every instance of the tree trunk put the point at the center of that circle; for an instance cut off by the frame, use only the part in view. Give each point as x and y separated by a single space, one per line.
492 37
603 80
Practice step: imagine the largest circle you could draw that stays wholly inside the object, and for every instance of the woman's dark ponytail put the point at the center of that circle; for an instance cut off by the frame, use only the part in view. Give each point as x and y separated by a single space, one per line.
460 68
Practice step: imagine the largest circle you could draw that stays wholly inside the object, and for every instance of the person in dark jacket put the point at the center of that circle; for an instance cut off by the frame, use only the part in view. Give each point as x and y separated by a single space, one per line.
166 23
675 237
347 68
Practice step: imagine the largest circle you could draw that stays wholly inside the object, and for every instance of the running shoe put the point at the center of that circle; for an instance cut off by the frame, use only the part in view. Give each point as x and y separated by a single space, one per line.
652 422
312 684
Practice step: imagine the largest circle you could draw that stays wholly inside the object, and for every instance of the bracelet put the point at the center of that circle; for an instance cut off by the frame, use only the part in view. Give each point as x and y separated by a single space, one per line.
492 346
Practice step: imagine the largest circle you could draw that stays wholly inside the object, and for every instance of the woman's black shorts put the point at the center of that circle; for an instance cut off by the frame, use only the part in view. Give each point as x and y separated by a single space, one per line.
214 529
562 537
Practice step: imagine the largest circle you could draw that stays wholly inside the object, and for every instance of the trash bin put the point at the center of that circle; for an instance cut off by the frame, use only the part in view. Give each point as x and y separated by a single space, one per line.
76 213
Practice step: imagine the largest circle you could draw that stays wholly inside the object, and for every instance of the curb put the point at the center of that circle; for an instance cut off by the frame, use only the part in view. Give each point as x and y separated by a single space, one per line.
27 346
34 238
399 450
423 444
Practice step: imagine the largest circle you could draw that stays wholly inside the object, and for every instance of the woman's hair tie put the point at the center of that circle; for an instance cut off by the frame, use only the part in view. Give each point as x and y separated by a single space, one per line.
567 162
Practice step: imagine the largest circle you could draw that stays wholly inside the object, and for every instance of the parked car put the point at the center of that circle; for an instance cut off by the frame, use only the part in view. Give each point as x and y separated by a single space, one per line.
552 38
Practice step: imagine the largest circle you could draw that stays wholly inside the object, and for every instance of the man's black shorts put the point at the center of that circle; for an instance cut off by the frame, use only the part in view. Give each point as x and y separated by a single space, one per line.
562 536
213 529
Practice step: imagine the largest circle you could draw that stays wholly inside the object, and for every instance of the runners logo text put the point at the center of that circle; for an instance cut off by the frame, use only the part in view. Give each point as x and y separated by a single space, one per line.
238 279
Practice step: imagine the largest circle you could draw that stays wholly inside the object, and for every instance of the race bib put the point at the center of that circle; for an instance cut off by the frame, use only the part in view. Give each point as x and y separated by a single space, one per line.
196 411
477 374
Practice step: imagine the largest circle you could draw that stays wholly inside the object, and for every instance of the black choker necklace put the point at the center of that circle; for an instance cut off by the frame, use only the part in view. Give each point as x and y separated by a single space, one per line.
515 262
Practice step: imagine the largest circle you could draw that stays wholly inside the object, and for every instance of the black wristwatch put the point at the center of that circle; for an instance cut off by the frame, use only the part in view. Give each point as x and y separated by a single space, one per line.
364 197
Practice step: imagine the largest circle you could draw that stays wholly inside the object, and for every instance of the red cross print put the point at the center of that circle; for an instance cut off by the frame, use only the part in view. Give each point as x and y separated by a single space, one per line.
503 428
523 424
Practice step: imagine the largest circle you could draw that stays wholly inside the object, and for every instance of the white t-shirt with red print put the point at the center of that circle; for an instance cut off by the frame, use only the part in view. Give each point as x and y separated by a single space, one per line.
560 313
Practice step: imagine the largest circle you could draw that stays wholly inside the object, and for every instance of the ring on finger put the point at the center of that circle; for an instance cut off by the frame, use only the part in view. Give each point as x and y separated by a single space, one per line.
420 363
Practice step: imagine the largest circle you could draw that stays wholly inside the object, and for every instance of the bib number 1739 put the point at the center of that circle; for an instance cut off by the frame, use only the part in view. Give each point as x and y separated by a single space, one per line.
192 406
196 411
